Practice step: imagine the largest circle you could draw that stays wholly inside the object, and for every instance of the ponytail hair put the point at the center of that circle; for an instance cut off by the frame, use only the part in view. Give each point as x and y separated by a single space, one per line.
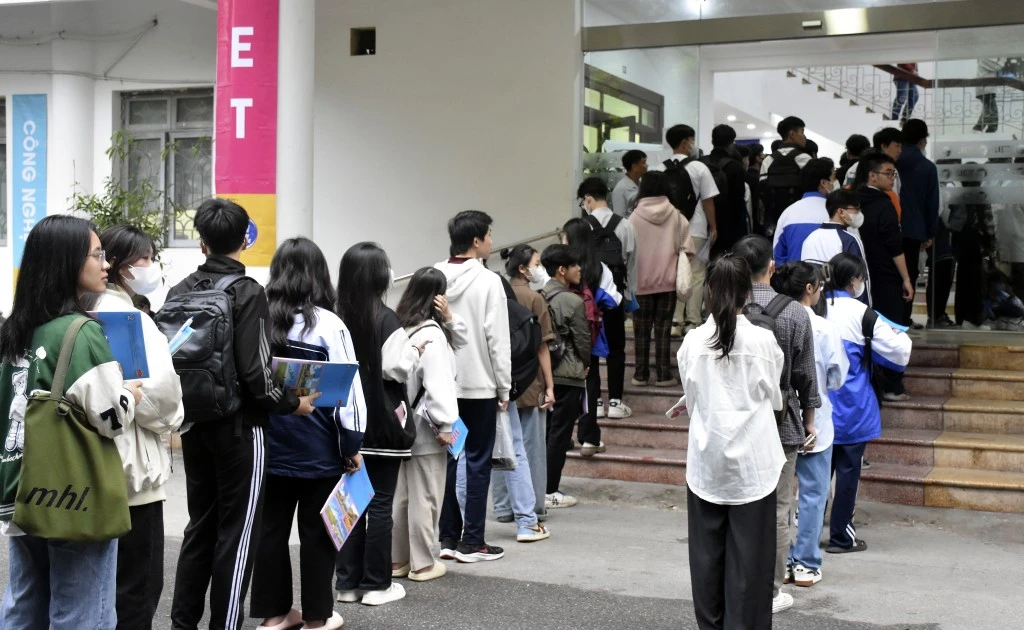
792 278
726 291
515 257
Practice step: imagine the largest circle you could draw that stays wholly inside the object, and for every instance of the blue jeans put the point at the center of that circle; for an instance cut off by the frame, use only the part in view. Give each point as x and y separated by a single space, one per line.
534 426
60 584
906 94
814 474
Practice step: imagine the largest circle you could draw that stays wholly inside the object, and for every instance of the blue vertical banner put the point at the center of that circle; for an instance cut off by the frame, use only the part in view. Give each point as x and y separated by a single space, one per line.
28 168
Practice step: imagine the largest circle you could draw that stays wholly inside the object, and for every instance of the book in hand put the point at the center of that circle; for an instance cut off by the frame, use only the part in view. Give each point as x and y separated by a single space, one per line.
459 432
124 334
332 380
346 504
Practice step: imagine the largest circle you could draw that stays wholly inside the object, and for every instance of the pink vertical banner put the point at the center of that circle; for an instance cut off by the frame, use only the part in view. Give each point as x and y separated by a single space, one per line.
245 163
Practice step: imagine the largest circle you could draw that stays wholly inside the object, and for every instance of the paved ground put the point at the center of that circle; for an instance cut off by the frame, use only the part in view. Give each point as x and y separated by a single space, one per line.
619 560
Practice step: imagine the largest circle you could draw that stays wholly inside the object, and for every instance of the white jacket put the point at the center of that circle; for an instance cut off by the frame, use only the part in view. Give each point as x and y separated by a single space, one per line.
435 371
485 364
144 453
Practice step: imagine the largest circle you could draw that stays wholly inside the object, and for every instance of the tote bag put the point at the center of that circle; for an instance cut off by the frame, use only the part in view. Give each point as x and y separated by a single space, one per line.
72 484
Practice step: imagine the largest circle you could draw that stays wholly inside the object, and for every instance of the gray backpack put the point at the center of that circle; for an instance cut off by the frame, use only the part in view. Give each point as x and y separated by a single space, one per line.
206 362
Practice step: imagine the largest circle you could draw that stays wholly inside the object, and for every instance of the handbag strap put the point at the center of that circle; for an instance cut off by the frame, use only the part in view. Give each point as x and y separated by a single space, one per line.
67 346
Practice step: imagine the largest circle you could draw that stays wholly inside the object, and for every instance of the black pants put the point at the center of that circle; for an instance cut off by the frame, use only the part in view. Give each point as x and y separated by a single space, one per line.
732 563
912 254
846 460
272 576
940 278
989 118
655 313
224 474
615 331
140 567
887 299
561 420
364 562
480 416
967 306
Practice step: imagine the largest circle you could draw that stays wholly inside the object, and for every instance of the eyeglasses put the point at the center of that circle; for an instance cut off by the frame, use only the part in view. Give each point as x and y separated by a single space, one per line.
99 255
890 174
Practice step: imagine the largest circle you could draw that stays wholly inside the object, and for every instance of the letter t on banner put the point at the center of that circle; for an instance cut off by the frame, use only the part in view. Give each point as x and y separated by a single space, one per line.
245 164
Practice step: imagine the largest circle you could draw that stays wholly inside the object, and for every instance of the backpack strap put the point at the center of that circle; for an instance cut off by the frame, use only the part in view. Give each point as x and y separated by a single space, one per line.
614 222
67 347
670 164
595 224
227 281
777 305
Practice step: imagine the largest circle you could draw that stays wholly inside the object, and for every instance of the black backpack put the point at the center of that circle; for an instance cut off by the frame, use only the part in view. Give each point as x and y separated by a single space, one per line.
206 362
609 248
867 328
524 338
781 187
680 187
765 318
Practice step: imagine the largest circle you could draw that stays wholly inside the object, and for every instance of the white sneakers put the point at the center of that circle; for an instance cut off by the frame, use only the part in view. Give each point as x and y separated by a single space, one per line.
589 450
784 601
393 593
617 410
557 500
602 411
802 576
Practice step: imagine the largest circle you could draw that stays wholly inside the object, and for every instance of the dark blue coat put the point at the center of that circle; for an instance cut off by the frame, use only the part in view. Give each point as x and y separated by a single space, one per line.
919 195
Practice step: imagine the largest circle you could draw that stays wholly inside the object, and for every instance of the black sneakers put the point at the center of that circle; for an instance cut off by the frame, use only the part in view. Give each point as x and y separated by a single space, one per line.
478 553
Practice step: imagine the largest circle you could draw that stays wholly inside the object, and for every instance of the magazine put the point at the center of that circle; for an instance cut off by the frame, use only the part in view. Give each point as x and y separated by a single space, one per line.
332 380
459 432
124 334
346 504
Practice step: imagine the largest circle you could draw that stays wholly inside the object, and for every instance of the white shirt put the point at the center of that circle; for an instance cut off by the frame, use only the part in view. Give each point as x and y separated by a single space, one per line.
832 365
734 454
704 187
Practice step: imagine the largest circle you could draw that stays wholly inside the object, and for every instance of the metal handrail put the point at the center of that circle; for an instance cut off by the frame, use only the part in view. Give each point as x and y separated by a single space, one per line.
494 250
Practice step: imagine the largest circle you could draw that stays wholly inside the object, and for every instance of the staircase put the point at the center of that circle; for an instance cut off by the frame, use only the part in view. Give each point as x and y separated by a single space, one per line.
959 442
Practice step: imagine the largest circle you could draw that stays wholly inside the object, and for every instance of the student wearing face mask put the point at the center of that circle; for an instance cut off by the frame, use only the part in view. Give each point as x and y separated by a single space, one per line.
839 234
146 458
856 417
817 180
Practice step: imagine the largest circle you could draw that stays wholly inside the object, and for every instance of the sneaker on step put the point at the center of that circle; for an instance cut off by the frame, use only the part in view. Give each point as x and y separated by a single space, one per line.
638 383
672 382
676 331
478 553
617 410
894 397
532 534
589 450
392 593
350 597
601 409
864 464
559 499
784 601
803 576
448 549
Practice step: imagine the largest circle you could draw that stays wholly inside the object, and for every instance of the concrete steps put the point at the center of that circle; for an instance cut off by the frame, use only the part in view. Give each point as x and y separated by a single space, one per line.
959 442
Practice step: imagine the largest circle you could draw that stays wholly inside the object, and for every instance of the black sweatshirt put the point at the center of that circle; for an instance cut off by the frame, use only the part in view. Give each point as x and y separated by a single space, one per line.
260 397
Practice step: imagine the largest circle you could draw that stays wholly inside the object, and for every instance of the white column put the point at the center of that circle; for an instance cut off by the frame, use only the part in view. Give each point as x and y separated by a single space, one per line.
70 125
295 119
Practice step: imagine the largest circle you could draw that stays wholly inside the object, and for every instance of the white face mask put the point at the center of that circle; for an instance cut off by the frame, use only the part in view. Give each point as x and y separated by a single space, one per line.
145 280
859 291
856 220
538 277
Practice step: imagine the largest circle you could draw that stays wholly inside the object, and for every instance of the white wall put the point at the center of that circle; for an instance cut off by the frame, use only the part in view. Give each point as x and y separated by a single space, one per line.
467 104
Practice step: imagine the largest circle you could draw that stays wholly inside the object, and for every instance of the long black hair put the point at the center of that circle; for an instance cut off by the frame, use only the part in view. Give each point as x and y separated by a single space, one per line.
417 303
55 252
726 291
792 279
300 281
580 237
363 278
124 244
518 256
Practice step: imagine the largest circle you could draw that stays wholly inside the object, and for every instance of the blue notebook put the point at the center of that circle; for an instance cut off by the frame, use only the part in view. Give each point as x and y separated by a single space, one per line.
346 504
332 380
124 334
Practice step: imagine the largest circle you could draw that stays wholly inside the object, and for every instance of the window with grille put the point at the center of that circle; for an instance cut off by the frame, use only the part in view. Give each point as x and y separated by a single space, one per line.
169 136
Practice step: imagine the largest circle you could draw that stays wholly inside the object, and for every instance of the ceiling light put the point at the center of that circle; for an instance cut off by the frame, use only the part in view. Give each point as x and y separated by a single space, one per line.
751 126
767 134
731 118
